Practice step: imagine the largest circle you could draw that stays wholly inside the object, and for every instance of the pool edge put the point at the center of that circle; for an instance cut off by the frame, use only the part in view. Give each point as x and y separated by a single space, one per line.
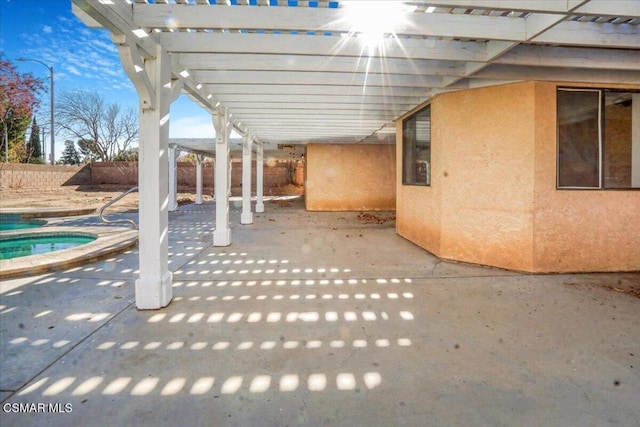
110 240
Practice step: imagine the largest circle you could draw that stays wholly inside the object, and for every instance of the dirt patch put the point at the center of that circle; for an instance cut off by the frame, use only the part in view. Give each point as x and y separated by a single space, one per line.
621 286
371 218
282 203
632 290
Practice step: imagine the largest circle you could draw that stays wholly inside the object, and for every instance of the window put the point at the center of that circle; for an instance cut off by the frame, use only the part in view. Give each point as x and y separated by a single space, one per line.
598 139
416 148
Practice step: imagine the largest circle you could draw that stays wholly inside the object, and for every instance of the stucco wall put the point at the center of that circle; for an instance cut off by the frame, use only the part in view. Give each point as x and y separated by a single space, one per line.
493 198
578 230
487 138
417 206
350 177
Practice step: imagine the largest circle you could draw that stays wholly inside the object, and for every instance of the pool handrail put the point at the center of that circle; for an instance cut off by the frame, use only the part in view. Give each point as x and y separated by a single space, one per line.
111 202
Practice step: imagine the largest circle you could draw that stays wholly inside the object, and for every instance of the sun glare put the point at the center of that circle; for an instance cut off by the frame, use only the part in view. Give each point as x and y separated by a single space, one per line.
372 21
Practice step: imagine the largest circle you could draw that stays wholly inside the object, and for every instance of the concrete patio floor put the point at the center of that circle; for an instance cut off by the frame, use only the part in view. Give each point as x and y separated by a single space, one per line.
318 319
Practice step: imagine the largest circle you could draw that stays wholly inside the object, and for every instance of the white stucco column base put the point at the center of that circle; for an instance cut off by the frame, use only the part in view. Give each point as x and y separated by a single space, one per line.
246 218
222 237
153 293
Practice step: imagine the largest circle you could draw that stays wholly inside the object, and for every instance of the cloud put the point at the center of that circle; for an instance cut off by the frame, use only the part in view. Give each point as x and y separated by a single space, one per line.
47 29
191 127
73 70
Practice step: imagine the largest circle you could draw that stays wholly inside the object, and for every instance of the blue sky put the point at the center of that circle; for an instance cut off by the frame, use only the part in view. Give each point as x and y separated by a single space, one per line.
82 58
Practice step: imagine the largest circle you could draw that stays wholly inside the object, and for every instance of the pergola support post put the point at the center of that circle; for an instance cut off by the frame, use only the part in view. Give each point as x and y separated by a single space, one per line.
173 178
199 179
247 216
222 232
260 178
156 90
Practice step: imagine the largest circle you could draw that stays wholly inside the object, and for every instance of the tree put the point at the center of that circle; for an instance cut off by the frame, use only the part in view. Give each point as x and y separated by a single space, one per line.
70 155
18 99
84 147
131 155
105 129
34 149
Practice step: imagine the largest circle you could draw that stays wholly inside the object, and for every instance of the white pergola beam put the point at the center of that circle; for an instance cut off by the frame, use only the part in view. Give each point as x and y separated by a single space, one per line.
516 72
316 114
315 78
465 26
573 57
591 34
326 90
622 8
519 5
401 101
316 106
321 20
287 44
627 8
343 64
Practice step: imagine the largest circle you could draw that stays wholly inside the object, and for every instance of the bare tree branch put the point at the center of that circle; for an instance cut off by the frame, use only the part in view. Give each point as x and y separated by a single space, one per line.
107 129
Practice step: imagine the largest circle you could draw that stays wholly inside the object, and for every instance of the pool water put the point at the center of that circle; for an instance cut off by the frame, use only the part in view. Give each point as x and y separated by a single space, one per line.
19 225
39 244
15 222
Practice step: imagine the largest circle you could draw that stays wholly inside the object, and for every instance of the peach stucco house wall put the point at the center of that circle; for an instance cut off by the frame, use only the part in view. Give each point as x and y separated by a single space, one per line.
493 198
341 177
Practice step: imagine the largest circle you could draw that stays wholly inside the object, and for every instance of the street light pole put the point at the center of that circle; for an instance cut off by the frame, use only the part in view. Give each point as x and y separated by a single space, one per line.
53 143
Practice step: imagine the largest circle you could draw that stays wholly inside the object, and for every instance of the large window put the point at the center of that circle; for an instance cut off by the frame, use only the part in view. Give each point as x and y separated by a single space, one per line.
416 148
598 139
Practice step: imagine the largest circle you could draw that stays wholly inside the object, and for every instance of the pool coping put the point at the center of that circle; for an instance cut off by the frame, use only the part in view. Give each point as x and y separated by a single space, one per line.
27 213
109 240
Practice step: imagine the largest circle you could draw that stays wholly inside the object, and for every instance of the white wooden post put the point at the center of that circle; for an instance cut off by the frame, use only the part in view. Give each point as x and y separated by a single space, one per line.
173 178
198 179
156 90
260 178
246 217
222 233
635 140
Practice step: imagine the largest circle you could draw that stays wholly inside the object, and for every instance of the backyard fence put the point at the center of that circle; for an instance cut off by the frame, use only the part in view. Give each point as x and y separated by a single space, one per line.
277 174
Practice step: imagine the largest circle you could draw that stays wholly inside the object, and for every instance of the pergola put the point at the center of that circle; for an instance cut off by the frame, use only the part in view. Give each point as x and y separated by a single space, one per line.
297 72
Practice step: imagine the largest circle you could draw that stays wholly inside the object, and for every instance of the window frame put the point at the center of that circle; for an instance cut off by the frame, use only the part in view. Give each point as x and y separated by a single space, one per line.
602 92
404 148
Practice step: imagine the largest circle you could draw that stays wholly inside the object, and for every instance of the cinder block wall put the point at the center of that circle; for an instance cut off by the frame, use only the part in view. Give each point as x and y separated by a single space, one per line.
20 175
276 174
342 177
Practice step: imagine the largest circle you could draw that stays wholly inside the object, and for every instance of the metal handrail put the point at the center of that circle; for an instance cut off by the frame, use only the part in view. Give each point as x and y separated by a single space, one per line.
111 202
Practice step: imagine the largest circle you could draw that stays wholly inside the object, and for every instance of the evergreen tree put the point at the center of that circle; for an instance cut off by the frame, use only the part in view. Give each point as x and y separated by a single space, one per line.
34 148
86 150
70 155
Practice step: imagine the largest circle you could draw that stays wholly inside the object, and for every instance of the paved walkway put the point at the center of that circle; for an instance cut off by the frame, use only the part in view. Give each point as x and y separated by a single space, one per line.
318 319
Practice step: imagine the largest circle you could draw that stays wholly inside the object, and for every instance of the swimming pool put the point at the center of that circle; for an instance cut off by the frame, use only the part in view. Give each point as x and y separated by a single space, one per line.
14 222
20 245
